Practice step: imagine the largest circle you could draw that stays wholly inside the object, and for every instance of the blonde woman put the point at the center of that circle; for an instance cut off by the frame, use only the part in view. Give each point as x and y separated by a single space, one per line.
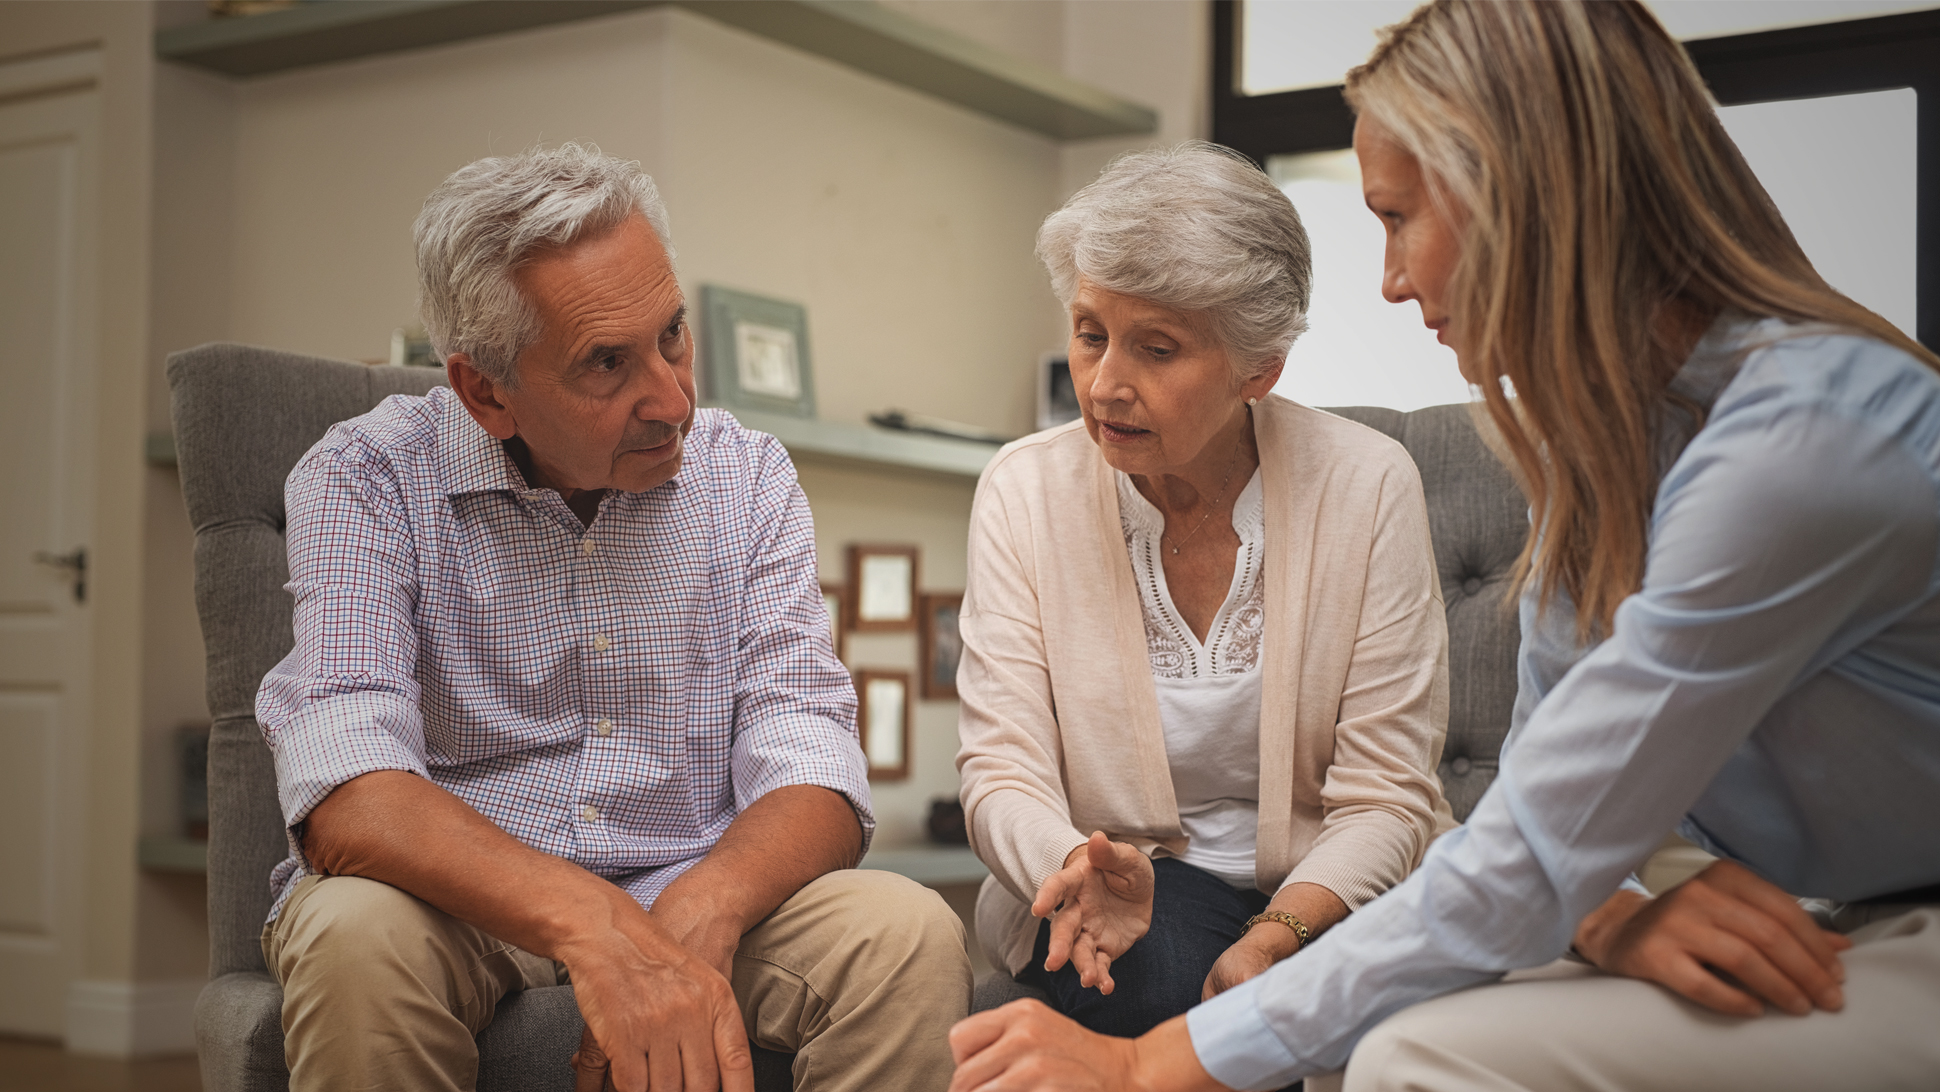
1204 677
1731 613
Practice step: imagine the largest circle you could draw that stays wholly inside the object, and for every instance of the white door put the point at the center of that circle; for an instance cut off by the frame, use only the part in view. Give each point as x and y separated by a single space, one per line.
48 166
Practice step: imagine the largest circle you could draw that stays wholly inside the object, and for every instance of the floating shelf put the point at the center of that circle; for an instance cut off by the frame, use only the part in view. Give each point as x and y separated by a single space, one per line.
935 866
170 853
859 33
872 447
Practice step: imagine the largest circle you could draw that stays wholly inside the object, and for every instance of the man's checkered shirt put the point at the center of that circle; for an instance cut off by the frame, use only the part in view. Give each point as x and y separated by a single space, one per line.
613 695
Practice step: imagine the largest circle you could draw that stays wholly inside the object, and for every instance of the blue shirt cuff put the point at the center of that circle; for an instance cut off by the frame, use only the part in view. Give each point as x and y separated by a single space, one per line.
1231 1037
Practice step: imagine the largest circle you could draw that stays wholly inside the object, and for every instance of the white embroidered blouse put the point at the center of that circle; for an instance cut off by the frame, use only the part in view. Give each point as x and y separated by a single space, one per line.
1209 693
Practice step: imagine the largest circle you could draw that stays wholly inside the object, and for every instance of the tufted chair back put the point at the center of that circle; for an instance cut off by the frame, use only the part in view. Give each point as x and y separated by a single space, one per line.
1478 518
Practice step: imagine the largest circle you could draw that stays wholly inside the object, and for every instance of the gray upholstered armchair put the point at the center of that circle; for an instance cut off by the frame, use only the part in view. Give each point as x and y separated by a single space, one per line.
1477 518
243 417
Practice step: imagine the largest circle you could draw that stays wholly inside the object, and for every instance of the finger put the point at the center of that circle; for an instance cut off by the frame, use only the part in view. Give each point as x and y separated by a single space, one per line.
732 1058
589 1064
1782 908
663 1065
1102 964
627 1068
1691 980
1756 970
1009 1039
1777 951
1054 892
1065 930
974 1033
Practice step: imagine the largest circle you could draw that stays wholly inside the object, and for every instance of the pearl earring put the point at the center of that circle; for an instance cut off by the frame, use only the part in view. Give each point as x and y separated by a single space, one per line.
1252 401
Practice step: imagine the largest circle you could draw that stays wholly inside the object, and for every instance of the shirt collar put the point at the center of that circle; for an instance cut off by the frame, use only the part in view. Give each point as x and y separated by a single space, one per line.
471 460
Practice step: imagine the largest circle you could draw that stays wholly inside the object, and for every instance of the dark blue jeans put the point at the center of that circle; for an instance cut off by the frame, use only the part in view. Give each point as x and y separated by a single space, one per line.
1196 916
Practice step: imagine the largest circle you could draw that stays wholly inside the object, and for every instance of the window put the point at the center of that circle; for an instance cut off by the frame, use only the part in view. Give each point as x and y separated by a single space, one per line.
1828 116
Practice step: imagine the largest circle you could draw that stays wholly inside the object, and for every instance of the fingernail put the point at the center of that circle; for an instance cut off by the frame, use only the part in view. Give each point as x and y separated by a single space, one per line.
1833 998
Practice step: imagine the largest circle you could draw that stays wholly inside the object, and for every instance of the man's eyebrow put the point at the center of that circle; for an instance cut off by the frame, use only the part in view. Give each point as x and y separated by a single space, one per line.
680 316
600 349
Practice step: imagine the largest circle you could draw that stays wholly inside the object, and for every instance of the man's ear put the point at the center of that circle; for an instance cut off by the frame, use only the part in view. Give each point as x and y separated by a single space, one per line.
480 396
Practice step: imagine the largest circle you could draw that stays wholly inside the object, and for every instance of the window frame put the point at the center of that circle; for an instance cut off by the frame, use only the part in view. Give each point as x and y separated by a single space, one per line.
1874 54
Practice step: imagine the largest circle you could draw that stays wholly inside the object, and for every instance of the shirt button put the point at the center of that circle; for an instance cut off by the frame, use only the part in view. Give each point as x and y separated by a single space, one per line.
586 547
599 642
604 727
1461 766
589 813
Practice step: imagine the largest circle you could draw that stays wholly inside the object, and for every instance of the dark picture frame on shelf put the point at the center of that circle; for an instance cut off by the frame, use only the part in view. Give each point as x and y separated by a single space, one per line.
881 588
941 645
884 719
1057 398
756 352
835 600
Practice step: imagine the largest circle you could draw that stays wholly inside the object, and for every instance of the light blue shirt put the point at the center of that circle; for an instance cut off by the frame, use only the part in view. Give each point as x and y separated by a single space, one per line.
1772 691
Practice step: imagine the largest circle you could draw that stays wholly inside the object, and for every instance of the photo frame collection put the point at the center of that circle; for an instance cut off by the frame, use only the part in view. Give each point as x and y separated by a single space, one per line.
880 596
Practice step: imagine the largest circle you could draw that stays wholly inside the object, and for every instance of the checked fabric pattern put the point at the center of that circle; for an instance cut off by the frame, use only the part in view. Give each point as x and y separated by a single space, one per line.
613 694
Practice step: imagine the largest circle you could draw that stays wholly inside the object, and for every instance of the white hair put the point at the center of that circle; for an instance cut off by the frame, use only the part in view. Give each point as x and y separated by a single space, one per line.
1196 228
481 223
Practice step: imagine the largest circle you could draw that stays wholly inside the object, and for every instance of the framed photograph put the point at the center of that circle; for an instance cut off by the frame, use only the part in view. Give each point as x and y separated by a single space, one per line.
883 713
756 351
1057 398
882 589
942 646
833 599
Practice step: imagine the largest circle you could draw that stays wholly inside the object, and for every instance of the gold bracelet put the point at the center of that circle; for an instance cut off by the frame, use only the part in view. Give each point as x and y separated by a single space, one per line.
1299 927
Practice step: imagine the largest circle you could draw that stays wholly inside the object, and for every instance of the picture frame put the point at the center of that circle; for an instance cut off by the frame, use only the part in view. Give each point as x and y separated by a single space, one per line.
882 588
941 645
884 720
1057 398
756 353
836 600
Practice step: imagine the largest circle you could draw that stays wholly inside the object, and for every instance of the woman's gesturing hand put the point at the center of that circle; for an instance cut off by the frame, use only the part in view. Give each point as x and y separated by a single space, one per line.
1098 905
1723 919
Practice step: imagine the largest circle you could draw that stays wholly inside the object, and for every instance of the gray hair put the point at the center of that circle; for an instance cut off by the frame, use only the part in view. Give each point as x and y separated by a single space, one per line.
490 216
1195 228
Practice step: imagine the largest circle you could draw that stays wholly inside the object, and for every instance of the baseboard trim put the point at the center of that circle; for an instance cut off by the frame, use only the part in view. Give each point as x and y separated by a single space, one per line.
132 1019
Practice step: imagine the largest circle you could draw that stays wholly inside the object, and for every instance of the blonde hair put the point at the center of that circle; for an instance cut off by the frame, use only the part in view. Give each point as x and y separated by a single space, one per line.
1599 195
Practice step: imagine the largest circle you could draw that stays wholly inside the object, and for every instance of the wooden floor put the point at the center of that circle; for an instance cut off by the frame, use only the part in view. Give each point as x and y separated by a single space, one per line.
28 1065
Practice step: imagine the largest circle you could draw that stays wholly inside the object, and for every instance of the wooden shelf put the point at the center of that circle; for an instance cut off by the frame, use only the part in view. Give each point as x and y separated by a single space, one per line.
171 853
871 447
859 33
935 866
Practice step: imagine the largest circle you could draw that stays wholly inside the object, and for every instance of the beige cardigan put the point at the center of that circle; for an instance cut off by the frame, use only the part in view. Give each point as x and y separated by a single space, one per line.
1060 721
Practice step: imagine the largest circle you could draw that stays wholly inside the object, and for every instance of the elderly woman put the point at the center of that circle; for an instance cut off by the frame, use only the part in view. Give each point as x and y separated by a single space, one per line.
1204 670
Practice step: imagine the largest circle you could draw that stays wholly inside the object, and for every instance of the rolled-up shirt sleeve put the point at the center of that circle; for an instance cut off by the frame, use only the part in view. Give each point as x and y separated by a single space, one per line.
1782 540
344 702
795 705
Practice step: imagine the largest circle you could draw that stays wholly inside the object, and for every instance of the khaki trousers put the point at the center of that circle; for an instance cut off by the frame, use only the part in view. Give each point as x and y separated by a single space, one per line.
859 974
1568 1027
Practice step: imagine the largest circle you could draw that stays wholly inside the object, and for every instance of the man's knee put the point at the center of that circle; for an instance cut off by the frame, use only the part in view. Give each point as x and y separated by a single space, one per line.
1403 1051
352 938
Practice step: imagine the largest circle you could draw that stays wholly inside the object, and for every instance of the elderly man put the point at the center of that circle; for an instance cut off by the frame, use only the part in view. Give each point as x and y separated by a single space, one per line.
563 705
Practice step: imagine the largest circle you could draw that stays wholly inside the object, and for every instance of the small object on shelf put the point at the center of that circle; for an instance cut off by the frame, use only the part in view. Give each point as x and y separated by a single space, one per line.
411 348
883 713
757 352
946 823
905 421
1057 398
882 589
942 645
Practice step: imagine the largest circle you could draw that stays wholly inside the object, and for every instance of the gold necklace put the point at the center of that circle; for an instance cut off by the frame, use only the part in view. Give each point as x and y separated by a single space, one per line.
1214 506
